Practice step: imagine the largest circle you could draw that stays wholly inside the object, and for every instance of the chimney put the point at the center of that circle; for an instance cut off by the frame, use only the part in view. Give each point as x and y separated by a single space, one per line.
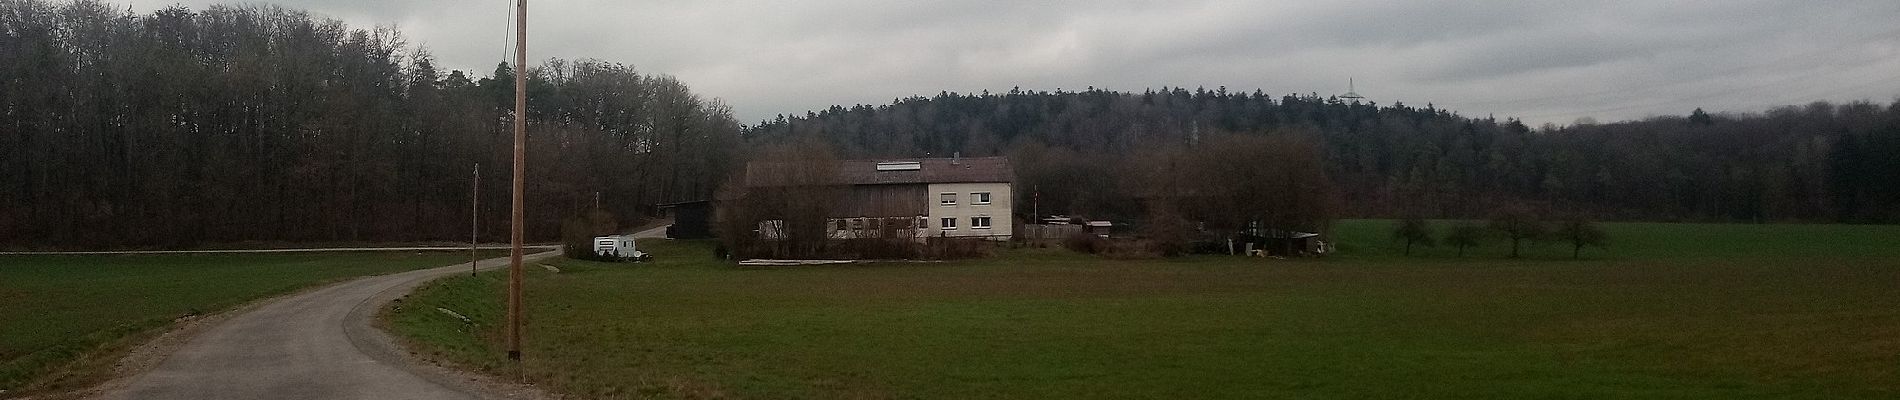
956 157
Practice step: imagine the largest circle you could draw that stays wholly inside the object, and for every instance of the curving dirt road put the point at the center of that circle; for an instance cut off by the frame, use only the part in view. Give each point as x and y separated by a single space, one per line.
315 345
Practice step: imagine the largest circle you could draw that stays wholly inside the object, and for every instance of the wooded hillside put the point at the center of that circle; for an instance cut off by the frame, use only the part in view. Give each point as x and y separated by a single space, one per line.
184 127
261 123
1819 162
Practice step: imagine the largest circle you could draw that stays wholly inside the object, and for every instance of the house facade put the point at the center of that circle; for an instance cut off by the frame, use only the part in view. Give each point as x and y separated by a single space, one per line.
971 209
917 197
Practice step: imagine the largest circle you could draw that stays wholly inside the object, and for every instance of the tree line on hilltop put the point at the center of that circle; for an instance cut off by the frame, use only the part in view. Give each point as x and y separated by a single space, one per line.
1079 152
183 127
235 123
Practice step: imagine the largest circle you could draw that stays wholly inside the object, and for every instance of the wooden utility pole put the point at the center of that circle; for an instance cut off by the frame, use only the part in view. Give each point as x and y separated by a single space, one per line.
521 143
474 219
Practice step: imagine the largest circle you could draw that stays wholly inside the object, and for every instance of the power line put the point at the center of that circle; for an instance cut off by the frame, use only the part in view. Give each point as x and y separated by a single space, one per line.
507 39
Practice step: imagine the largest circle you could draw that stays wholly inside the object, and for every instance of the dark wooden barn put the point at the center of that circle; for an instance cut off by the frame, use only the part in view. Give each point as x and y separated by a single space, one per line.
691 219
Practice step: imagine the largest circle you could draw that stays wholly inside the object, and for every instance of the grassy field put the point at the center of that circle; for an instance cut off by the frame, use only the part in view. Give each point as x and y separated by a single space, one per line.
1360 239
58 309
1727 312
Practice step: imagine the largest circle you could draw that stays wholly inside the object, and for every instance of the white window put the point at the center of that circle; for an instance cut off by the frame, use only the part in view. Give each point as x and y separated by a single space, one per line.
840 225
949 224
979 222
857 224
768 229
923 222
900 166
980 198
948 199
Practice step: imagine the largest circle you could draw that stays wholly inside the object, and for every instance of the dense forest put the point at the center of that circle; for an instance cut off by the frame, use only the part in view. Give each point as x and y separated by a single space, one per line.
236 123
1081 152
185 127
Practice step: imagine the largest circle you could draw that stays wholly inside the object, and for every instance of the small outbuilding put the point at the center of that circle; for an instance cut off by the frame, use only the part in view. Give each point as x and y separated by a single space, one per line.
691 219
1281 242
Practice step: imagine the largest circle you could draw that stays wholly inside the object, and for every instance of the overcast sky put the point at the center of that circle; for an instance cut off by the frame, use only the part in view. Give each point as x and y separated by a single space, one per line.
1544 61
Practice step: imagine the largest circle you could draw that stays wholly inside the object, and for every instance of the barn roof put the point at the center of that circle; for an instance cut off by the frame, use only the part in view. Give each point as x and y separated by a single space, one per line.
896 171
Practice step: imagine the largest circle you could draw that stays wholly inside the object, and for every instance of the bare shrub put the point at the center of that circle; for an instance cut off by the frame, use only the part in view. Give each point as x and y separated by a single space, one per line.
876 248
948 248
1132 249
1084 242
578 232
1166 232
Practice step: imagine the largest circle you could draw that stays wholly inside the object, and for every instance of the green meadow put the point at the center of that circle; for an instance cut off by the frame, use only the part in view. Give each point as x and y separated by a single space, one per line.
65 318
1666 311
1361 239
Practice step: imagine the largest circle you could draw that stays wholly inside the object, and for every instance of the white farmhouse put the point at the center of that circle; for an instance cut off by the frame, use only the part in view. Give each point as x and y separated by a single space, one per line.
922 197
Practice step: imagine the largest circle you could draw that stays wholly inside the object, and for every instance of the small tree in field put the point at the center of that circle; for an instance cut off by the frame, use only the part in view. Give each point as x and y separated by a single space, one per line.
1581 232
1519 225
1413 231
1463 236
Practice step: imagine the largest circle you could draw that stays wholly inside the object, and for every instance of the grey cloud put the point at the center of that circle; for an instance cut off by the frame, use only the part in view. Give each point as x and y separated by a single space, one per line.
1552 61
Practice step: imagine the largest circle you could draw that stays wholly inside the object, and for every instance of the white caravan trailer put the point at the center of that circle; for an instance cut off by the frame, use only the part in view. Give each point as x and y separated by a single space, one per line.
618 247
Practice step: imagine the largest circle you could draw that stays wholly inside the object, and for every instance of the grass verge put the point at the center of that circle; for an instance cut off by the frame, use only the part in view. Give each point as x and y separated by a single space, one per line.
1370 238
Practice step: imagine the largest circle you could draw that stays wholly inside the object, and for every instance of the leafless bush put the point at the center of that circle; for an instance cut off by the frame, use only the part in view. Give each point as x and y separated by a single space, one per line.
578 232
1132 249
942 248
1166 232
1084 242
876 248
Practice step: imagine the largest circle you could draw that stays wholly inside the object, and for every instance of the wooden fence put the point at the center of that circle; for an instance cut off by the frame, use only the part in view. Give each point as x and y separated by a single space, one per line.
1040 232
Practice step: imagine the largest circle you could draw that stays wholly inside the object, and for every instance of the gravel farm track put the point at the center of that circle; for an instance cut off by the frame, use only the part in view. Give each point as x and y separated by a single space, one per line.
316 344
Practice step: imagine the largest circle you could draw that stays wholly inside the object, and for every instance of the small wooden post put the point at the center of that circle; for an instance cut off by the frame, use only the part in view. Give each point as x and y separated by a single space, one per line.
474 219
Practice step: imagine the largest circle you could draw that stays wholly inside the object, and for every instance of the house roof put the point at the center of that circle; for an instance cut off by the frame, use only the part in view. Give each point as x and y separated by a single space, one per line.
684 203
866 172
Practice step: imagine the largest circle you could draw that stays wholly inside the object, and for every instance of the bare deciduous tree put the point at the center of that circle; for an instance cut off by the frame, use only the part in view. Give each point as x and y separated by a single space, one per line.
1232 182
1519 224
780 206
1580 232
232 123
1413 230
1465 235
